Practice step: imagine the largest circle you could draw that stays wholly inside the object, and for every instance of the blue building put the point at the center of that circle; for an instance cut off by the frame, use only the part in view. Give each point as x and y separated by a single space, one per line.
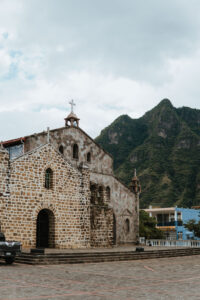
186 215
171 219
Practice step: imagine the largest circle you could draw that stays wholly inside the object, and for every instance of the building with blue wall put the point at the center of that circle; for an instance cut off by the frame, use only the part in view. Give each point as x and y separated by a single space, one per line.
186 215
171 219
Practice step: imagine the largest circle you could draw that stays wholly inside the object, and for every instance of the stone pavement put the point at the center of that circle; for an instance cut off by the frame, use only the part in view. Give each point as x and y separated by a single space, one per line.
164 278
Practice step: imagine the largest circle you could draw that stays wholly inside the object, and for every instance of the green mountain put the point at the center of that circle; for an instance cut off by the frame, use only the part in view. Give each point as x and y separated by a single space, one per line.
164 147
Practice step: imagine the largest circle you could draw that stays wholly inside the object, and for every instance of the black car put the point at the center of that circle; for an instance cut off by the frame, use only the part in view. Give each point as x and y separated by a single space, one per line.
9 249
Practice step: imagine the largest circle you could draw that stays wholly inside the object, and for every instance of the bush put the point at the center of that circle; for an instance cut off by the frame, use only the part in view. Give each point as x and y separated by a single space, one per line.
191 225
147 227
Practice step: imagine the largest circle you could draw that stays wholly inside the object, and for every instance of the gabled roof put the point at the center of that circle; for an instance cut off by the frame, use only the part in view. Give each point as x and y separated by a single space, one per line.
10 142
44 146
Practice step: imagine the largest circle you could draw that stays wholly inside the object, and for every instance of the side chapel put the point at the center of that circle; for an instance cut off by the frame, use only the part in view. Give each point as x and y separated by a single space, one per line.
57 189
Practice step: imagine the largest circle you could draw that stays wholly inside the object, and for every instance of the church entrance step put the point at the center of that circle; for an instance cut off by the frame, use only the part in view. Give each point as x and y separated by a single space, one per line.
94 257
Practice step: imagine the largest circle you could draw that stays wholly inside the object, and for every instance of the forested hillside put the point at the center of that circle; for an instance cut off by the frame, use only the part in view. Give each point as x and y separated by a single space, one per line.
164 146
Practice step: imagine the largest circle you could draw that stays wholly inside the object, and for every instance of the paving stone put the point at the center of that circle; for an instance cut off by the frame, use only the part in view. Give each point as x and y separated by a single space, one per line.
162 279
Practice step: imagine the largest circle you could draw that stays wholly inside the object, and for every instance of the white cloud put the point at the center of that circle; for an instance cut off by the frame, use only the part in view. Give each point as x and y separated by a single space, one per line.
111 57
5 62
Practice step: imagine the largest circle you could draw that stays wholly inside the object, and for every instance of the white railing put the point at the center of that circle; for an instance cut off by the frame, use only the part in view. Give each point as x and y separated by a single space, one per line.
173 243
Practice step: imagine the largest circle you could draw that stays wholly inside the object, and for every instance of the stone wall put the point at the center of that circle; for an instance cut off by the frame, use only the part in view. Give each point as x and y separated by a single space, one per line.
68 199
124 205
4 172
66 137
101 216
73 188
4 183
101 234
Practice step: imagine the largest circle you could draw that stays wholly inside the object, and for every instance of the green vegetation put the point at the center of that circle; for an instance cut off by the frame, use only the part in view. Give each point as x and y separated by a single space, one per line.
191 225
148 227
164 147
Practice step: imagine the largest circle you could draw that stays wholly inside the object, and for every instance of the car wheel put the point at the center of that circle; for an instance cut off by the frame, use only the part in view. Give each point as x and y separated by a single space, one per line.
9 260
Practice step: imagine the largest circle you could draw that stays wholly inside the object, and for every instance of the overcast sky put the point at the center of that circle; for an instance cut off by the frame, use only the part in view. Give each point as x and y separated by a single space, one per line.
112 57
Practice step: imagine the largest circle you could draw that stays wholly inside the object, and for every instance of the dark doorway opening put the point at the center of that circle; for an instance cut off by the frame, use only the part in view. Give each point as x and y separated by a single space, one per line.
45 229
75 151
127 226
114 230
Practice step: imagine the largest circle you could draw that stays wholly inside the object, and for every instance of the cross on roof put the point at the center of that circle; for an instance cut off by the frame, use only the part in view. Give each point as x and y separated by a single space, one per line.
72 103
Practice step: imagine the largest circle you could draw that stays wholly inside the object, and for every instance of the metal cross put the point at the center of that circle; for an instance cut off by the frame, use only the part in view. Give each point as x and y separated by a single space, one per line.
72 103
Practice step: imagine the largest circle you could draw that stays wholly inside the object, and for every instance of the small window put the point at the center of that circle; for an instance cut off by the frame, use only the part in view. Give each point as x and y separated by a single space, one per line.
88 157
48 179
127 225
61 149
100 195
93 190
108 193
75 151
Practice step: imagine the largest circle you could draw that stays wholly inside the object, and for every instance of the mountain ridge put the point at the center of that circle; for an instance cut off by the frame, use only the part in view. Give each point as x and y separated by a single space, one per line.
164 146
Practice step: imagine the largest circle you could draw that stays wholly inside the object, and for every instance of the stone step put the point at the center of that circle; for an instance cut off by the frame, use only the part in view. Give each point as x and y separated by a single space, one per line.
150 254
96 254
89 257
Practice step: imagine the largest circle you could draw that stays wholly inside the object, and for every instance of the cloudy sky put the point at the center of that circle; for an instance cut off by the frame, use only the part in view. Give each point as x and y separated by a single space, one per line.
112 57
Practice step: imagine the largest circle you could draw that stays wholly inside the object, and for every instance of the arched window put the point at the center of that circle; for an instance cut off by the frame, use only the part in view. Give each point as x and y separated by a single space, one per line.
61 149
100 194
48 179
93 190
108 193
127 225
75 151
88 157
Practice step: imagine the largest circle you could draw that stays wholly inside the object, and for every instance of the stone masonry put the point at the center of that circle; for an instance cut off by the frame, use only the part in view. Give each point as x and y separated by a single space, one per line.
64 177
68 200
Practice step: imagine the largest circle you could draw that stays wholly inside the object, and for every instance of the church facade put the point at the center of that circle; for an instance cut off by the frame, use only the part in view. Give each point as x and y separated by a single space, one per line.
57 189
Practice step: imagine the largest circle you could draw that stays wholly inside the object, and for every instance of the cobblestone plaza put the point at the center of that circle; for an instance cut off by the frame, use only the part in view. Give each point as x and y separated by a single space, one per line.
165 278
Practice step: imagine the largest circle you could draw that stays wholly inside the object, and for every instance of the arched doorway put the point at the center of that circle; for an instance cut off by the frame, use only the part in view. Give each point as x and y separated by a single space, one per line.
127 226
45 229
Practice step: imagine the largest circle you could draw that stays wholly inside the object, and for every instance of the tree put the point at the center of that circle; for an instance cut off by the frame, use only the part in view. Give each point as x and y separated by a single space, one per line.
148 228
194 226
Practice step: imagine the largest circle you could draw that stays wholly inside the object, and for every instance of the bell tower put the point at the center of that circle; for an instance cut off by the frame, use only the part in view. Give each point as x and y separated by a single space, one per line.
72 120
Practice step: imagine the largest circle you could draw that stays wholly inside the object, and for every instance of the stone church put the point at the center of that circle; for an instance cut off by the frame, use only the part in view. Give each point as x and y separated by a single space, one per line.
58 190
